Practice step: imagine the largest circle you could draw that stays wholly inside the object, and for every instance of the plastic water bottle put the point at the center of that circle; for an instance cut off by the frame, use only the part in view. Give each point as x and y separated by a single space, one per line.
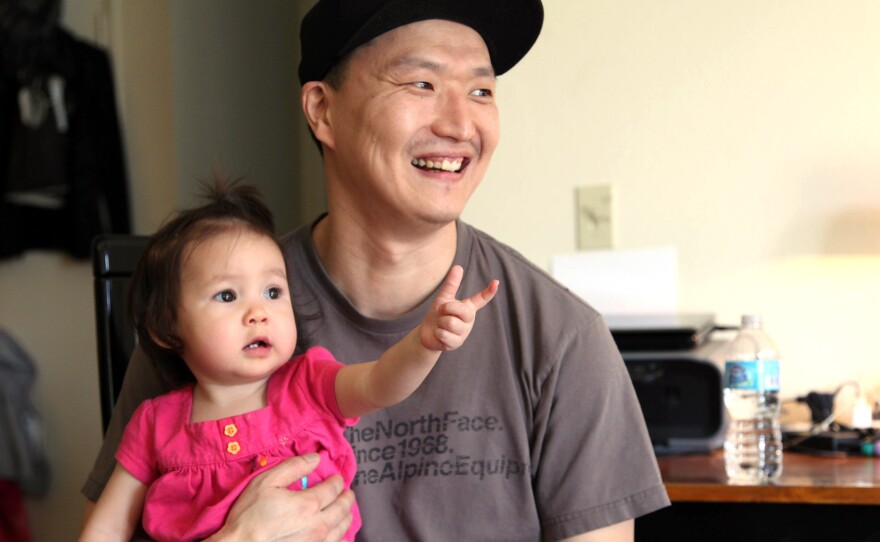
753 444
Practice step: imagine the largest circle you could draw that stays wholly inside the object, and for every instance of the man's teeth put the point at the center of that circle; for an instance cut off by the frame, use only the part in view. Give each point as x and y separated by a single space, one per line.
445 165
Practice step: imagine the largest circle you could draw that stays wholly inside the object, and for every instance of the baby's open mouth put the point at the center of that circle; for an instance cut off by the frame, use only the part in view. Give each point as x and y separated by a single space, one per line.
259 343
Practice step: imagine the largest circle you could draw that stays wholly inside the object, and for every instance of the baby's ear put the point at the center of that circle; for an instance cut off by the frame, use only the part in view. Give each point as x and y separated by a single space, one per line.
160 342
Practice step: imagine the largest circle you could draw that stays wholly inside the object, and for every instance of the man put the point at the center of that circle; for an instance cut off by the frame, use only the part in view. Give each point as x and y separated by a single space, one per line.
530 432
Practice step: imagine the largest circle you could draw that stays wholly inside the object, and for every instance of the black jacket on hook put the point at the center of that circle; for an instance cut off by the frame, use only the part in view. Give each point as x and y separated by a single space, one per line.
62 182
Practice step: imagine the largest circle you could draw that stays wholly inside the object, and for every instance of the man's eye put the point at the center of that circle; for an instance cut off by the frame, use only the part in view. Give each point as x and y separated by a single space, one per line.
273 293
225 296
482 92
424 85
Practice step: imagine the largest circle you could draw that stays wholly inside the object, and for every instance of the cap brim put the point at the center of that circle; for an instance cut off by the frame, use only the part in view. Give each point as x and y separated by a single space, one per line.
508 27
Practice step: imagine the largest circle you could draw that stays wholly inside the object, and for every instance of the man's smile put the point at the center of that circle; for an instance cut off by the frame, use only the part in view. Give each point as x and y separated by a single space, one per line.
442 164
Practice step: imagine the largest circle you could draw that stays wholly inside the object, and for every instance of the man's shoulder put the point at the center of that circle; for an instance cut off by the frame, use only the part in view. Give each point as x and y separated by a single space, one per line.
296 238
521 274
484 248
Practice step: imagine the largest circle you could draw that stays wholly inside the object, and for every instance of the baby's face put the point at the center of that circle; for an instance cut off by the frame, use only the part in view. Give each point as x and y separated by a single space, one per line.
235 316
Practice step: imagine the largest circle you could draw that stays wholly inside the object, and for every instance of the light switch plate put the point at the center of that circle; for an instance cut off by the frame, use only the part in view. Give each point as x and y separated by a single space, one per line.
595 217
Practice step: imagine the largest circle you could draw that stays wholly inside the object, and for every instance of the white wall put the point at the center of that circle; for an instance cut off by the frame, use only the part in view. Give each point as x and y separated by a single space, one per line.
745 133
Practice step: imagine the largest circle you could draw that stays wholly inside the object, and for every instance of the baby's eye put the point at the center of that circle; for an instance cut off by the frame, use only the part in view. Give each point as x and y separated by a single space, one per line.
274 293
226 296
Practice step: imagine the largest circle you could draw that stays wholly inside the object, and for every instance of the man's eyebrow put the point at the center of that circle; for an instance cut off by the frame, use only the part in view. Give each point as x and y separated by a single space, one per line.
430 65
484 71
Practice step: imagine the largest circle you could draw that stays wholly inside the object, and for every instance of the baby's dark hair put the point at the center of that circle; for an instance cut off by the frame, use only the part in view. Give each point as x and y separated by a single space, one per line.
154 291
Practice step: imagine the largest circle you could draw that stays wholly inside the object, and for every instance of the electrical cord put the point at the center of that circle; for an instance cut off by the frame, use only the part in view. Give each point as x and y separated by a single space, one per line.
824 417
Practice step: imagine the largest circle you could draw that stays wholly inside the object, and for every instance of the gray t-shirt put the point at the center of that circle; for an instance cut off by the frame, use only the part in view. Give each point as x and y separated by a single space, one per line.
530 431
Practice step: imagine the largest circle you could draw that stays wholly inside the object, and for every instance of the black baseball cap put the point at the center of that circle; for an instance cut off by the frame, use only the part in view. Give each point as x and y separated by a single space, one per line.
334 28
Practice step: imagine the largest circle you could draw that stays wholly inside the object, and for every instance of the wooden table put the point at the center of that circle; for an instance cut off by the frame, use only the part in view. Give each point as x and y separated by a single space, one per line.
806 479
816 499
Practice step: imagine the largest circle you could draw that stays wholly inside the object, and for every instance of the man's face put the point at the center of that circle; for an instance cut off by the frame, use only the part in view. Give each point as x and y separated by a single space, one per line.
413 126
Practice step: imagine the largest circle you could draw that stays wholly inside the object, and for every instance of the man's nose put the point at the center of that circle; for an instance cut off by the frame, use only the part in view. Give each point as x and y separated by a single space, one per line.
454 118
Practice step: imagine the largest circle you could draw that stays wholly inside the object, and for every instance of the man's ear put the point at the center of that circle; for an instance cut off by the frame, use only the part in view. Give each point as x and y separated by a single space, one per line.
316 106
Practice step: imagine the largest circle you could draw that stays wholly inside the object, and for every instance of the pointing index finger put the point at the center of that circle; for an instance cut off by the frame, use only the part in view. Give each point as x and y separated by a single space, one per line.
481 299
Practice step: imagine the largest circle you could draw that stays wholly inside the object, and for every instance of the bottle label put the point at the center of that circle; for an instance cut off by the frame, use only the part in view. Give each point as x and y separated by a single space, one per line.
752 375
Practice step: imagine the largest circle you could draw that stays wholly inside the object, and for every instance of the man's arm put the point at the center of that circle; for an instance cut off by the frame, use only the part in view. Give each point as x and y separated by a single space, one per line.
619 532
576 496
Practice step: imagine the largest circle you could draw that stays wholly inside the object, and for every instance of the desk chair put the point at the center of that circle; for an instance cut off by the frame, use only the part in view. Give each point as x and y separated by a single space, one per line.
114 258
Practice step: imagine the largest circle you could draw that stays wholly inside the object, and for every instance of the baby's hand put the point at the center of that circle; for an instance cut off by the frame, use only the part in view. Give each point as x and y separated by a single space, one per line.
449 322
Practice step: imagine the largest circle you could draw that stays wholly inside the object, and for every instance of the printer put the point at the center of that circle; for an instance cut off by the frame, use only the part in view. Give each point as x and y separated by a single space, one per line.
676 368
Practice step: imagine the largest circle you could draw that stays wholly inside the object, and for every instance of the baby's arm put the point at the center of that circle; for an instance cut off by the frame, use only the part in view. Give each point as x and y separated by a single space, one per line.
364 387
118 511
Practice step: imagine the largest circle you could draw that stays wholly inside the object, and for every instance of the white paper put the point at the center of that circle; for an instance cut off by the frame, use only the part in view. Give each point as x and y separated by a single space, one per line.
637 281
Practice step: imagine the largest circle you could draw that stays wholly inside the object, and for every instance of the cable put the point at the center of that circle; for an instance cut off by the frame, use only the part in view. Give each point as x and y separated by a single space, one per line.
821 403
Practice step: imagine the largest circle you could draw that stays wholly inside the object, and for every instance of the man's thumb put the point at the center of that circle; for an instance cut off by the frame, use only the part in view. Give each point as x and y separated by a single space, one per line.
290 470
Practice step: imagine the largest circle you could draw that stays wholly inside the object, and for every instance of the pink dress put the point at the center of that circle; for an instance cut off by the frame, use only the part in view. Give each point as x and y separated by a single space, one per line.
196 471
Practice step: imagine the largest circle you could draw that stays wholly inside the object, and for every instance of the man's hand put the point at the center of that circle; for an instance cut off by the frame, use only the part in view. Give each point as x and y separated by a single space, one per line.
449 321
268 511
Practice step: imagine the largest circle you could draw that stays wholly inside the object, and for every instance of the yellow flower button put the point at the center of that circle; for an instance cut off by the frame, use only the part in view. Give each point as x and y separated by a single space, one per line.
233 447
230 430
